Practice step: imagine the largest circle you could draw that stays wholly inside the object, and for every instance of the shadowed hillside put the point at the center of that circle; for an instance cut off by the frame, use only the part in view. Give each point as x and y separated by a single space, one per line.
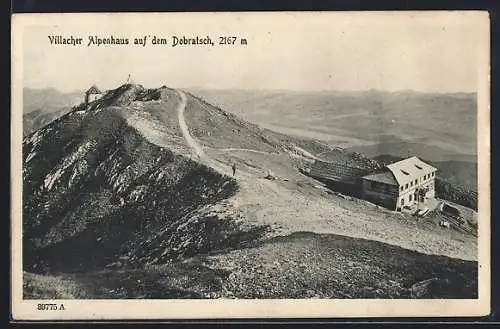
301 265
95 190
133 196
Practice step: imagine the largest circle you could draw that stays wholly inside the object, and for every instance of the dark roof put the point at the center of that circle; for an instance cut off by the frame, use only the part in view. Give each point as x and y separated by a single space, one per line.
337 172
93 90
450 210
385 177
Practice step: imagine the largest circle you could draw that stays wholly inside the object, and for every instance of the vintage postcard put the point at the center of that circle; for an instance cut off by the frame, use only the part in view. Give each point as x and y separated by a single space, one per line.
250 165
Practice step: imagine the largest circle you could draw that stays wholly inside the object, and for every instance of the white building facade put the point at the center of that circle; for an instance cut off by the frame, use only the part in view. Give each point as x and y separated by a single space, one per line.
407 183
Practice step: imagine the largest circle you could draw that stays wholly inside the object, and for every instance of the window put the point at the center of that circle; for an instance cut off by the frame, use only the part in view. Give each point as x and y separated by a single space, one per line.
409 197
402 188
406 186
411 183
416 181
402 201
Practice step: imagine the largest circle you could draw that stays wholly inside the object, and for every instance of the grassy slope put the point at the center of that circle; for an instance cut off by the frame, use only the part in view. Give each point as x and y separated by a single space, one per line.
218 128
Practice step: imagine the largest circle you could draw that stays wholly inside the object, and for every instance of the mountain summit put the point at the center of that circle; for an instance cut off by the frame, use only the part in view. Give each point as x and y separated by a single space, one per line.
96 190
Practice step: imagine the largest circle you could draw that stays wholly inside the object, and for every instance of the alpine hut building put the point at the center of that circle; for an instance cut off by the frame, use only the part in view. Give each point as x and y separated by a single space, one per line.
92 94
408 183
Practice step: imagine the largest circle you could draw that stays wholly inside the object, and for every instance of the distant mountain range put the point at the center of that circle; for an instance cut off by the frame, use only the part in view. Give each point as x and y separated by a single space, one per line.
361 118
49 99
401 148
41 106
439 128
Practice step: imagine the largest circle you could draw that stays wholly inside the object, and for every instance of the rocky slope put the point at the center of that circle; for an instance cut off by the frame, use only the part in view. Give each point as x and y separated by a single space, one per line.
95 190
133 197
301 265
307 265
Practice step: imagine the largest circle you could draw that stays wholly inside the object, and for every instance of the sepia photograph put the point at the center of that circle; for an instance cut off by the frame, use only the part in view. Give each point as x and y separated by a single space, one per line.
250 165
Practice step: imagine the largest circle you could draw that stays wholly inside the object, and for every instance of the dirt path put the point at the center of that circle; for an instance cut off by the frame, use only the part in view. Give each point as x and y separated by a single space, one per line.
191 142
288 209
306 154
231 149
197 149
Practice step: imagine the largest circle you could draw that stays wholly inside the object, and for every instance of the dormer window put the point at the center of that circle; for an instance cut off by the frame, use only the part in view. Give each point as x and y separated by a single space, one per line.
418 167
404 172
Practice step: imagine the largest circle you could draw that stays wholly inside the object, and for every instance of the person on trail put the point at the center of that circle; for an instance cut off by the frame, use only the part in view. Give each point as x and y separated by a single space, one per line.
234 168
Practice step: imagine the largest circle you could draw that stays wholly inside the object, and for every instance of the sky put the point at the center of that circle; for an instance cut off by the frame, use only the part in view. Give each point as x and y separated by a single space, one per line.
428 52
